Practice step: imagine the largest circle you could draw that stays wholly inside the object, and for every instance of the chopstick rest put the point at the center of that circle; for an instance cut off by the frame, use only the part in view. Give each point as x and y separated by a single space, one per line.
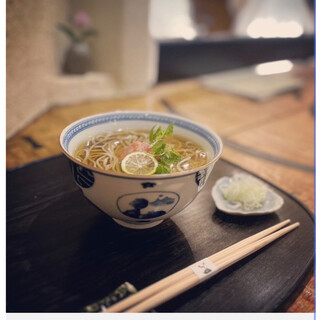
122 292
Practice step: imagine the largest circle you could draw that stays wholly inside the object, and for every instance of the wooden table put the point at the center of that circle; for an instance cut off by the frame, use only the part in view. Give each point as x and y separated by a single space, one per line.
274 139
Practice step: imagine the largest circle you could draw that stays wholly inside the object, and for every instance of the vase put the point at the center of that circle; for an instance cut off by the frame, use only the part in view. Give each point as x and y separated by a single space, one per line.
77 59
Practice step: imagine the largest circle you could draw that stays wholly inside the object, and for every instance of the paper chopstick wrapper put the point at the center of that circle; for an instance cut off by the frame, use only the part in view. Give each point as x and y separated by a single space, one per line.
204 269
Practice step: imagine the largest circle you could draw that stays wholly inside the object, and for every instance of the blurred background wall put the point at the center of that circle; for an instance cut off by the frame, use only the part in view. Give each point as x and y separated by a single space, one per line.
122 54
140 43
124 46
33 54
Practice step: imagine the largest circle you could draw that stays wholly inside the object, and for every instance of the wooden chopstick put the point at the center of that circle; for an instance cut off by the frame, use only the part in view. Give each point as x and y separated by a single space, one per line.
184 273
221 264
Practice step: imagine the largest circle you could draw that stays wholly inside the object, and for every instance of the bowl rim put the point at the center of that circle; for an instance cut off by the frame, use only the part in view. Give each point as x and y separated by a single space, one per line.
142 177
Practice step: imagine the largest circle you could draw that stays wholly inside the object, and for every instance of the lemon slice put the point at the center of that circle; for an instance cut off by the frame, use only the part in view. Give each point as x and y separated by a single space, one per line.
139 163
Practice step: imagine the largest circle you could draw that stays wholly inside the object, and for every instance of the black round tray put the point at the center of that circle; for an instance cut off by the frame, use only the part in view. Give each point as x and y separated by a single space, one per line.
63 253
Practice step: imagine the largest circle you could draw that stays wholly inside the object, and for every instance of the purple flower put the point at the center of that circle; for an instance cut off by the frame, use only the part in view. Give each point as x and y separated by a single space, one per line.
81 19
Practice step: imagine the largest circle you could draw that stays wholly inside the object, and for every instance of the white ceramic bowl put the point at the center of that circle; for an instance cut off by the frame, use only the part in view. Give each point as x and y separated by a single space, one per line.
137 201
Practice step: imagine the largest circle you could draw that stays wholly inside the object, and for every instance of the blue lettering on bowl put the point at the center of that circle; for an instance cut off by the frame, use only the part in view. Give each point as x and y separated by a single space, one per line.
83 177
201 178
146 185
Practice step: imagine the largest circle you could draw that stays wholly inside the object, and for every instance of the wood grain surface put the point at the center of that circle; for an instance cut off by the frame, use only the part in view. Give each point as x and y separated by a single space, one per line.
274 139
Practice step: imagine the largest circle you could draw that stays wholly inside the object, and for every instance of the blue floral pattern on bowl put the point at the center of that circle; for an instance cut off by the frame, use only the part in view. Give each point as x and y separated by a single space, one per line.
147 205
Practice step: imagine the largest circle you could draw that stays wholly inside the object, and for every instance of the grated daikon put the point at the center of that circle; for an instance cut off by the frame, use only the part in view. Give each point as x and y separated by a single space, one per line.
247 191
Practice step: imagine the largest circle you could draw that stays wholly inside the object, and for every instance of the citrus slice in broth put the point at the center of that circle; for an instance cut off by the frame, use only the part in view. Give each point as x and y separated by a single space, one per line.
139 163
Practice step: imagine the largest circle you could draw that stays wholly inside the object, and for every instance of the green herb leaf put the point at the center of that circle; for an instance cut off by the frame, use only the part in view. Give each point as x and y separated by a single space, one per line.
158 148
176 157
162 169
171 157
155 135
151 134
169 130
159 133
165 153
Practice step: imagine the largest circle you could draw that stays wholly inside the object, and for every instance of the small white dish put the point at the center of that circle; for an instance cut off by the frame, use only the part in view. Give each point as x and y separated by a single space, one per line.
272 202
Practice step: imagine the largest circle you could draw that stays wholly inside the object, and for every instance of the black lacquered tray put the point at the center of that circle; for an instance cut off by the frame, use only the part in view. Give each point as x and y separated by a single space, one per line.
63 253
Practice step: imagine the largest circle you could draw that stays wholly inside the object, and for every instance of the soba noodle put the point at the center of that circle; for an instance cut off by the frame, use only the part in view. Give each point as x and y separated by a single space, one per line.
104 151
